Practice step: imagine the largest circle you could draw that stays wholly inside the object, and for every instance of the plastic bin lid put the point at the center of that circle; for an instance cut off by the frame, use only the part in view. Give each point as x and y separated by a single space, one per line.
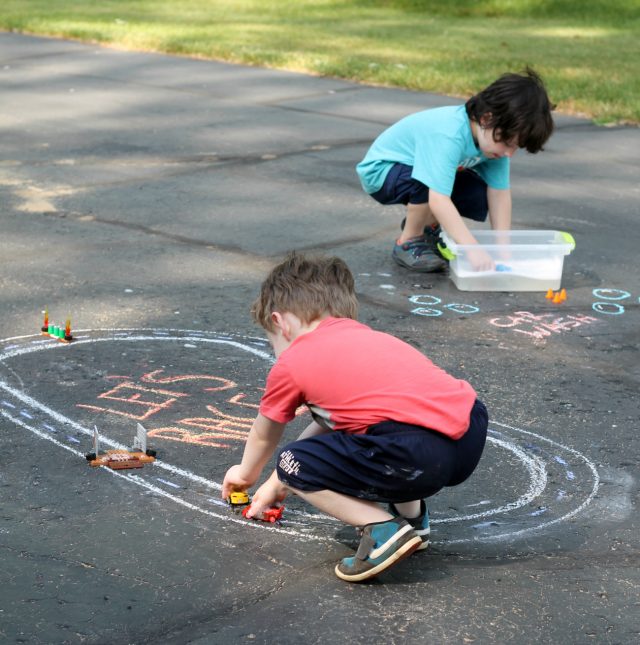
567 244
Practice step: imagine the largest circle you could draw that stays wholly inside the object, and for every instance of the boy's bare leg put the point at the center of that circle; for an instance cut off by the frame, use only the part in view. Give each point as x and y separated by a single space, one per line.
409 510
350 510
418 216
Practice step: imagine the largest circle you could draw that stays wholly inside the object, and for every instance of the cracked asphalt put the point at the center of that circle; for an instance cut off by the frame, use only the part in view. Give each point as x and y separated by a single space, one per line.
145 197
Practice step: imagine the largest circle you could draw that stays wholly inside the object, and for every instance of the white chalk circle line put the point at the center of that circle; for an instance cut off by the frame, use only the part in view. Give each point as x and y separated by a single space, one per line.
534 466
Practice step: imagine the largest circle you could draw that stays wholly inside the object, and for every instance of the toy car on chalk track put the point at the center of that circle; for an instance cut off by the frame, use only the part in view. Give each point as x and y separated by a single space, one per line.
238 498
272 514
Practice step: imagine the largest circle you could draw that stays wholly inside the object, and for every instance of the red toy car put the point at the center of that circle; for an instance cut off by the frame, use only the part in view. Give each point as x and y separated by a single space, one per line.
272 514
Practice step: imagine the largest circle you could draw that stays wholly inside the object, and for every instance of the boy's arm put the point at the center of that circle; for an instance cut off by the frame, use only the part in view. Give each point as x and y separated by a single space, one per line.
273 491
449 218
261 443
499 208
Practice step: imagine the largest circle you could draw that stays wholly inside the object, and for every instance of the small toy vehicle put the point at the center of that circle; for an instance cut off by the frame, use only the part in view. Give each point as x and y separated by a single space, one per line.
238 498
272 514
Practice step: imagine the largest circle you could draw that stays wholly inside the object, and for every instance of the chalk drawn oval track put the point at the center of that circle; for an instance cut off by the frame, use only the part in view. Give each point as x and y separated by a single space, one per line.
525 483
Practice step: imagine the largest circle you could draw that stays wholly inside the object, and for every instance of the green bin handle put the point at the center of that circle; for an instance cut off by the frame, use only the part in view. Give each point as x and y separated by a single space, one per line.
568 238
446 252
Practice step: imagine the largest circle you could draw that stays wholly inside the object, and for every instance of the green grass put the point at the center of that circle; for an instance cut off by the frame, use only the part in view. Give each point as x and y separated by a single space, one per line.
587 51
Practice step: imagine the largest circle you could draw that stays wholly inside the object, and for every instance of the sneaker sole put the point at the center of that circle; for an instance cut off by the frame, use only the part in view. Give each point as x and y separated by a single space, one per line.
404 551
437 269
423 534
423 546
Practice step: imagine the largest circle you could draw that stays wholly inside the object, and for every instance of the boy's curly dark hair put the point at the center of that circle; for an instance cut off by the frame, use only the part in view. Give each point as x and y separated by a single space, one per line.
309 287
517 107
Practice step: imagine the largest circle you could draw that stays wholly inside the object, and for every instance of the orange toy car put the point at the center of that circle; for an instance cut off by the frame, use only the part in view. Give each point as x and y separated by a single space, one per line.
272 514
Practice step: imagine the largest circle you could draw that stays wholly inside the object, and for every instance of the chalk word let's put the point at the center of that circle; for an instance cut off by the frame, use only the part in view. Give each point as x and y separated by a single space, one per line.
151 394
540 326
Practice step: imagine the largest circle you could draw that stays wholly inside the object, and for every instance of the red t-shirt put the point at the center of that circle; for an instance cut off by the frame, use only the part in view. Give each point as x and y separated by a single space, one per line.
352 377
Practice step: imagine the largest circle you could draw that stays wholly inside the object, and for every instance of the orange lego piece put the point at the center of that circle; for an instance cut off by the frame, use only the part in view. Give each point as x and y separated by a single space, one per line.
120 459
563 294
67 332
557 299
549 295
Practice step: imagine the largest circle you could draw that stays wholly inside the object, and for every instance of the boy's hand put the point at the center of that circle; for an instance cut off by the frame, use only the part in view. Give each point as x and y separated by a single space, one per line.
271 493
234 481
480 260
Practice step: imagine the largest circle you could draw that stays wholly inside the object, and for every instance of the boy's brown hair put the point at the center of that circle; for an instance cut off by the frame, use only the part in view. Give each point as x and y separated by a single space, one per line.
517 107
309 287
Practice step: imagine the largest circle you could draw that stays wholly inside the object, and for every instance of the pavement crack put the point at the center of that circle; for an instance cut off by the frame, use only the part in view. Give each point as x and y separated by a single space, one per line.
333 115
262 263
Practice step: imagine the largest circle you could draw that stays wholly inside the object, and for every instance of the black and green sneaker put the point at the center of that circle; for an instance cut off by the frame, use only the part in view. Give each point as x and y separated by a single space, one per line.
431 237
418 254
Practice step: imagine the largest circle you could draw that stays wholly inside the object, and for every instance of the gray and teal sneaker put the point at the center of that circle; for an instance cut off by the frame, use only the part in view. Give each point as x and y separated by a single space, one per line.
383 544
419 254
420 524
431 237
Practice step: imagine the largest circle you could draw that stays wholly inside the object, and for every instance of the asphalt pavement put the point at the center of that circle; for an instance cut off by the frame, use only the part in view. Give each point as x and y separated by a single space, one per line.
144 197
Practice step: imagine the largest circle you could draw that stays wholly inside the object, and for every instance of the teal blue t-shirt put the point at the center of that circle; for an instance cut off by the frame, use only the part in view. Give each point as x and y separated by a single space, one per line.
435 143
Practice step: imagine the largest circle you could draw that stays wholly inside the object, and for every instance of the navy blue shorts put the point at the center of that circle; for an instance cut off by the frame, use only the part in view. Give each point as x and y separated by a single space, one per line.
392 462
469 191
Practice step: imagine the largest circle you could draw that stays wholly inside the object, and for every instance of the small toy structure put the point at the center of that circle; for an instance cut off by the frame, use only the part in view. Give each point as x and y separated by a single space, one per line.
549 295
272 514
238 498
122 459
67 331
59 333
503 268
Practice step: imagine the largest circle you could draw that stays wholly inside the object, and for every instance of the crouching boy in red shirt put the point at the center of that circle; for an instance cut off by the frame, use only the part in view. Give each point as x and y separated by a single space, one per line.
388 425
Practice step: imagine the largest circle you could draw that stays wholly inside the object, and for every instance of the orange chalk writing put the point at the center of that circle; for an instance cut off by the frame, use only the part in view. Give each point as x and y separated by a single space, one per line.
224 384
135 401
217 426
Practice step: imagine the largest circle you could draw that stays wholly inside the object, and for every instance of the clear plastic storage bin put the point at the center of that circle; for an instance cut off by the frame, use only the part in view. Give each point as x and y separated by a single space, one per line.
524 260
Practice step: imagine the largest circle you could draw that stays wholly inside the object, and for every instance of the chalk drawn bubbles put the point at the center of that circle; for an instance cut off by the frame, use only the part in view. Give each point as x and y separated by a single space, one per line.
431 305
611 297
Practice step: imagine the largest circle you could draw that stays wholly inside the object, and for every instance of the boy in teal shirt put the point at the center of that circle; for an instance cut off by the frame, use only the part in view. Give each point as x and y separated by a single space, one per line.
453 162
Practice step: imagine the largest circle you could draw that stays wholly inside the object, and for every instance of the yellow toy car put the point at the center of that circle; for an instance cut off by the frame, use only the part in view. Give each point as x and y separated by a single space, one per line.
238 498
